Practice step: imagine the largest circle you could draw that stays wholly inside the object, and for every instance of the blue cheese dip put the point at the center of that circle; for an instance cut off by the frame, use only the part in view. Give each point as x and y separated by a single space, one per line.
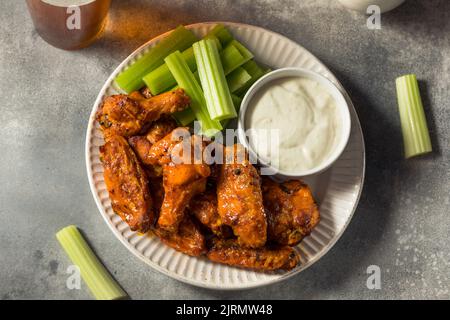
306 118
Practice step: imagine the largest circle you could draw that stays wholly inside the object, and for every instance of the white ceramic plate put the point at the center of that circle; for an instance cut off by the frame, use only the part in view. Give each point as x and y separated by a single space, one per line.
337 190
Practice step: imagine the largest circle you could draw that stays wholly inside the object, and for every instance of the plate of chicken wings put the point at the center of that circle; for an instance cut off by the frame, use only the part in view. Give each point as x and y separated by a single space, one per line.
215 225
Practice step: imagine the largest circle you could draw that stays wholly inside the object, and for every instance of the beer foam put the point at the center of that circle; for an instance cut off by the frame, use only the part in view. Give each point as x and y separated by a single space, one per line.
67 3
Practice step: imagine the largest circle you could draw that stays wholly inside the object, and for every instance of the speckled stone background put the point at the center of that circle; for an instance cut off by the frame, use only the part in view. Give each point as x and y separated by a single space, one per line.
403 220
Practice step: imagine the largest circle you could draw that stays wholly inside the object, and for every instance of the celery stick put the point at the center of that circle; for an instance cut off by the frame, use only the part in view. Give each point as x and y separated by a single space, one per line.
255 72
416 136
222 33
186 80
131 79
234 55
216 40
243 50
237 105
161 79
196 76
185 117
231 59
237 79
97 278
214 84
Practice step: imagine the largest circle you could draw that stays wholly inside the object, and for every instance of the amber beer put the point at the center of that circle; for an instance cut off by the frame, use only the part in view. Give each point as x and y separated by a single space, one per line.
69 24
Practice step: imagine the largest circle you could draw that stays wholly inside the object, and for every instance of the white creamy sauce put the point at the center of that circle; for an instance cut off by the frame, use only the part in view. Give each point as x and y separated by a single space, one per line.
307 118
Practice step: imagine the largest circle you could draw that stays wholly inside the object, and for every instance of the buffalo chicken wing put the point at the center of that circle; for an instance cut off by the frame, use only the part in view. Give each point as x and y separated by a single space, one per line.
187 239
204 208
239 196
291 211
127 184
143 144
129 115
184 176
263 259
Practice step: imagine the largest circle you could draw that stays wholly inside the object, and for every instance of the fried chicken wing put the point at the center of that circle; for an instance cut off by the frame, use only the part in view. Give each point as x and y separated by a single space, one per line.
137 96
240 203
159 129
215 172
143 144
262 259
161 152
291 211
129 115
157 192
145 92
141 147
188 239
184 176
127 184
204 208
181 183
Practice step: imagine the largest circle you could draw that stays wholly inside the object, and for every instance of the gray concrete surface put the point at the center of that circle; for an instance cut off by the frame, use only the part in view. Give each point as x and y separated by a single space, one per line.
403 220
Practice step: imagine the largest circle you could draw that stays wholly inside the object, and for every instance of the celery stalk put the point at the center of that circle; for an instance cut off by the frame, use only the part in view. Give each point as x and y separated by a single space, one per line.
214 84
237 105
255 71
97 278
216 40
222 33
243 50
161 79
231 59
416 136
237 79
186 80
131 79
234 55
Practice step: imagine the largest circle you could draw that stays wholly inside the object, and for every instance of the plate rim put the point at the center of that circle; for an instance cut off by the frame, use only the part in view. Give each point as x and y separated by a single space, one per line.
109 82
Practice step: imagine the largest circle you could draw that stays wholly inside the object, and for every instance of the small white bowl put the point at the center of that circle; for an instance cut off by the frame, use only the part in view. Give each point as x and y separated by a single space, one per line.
341 104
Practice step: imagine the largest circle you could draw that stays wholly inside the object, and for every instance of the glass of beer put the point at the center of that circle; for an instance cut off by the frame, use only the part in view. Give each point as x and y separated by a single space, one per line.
69 24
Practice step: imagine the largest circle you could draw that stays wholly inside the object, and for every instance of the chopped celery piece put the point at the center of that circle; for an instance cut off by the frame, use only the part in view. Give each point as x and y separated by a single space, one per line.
131 79
161 79
237 79
231 59
186 80
214 84
222 33
216 40
97 278
185 117
255 71
237 105
416 137
243 50
233 56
